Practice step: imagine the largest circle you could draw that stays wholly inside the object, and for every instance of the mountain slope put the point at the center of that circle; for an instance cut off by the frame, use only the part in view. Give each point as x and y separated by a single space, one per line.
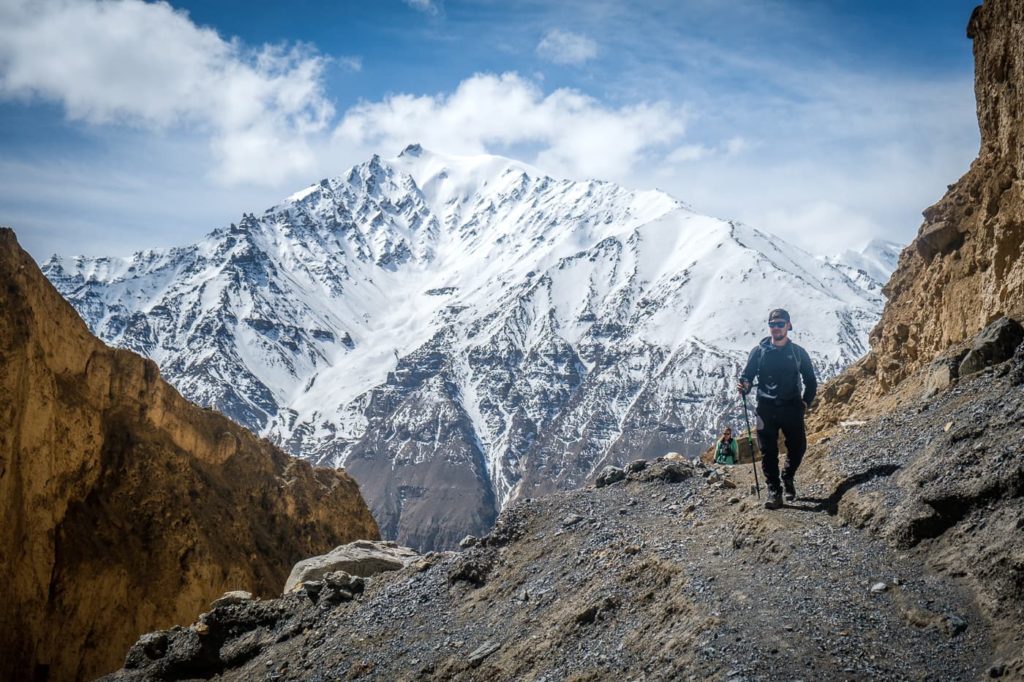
433 319
872 266
122 506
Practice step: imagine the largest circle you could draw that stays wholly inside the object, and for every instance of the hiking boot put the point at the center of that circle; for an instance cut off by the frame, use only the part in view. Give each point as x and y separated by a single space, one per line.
790 489
774 500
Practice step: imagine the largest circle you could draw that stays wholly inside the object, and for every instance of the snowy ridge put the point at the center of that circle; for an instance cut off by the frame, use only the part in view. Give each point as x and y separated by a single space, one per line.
870 267
461 330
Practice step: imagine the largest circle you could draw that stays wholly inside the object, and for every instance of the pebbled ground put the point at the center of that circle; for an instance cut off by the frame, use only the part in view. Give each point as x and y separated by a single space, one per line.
638 580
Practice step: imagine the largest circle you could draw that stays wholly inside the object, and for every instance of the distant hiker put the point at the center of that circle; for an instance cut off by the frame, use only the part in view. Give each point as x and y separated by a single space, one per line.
778 364
726 450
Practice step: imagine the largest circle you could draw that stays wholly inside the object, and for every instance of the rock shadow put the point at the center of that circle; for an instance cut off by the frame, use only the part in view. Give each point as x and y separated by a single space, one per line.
830 504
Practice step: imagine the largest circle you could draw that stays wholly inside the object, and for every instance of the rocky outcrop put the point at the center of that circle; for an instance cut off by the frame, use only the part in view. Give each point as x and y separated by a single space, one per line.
123 507
964 270
362 558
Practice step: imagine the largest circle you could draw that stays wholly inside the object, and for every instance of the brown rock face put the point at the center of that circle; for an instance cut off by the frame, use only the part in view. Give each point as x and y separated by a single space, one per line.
123 507
965 268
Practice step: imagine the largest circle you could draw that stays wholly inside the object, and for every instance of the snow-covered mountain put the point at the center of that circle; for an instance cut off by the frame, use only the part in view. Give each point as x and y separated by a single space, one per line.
870 267
458 331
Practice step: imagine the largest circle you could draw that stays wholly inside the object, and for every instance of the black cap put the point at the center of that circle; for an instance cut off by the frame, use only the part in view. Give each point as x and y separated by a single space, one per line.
778 314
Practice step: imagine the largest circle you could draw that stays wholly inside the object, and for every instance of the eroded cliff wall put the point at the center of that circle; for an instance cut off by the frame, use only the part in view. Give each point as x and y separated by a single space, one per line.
965 268
123 507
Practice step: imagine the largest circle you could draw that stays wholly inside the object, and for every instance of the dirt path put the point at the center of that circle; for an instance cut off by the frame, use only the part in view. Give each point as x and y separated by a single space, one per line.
641 580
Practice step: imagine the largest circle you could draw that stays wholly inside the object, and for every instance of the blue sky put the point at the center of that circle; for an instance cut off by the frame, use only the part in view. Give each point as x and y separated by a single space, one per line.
128 125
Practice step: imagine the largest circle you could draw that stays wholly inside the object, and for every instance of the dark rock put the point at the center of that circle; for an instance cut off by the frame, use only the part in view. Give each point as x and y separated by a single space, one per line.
241 649
590 614
343 581
938 238
610 474
668 471
954 624
472 568
996 343
636 465
150 647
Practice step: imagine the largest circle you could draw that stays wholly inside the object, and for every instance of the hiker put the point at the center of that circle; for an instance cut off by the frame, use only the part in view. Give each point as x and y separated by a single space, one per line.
726 450
778 364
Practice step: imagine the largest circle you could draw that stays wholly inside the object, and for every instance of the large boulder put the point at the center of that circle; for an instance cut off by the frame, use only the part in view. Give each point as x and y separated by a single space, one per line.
610 474
362 558
996 343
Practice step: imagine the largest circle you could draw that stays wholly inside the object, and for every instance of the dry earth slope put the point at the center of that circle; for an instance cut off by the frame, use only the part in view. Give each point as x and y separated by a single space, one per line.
122 506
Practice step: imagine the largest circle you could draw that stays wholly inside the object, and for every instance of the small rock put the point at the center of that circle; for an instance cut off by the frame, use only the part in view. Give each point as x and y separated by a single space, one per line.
632 549
477 656
233 597
954 624
636 465
571 520
727 483
468 541
202 629
734 500
312 588
879 587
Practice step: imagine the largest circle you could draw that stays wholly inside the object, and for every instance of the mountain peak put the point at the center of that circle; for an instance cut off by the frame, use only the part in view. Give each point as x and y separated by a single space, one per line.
478 295
414 149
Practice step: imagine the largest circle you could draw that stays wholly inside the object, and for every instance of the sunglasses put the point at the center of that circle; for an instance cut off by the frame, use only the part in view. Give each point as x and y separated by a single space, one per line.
777 325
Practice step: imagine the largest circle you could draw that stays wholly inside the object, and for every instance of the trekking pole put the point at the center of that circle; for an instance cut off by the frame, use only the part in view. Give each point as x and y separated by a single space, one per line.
750 440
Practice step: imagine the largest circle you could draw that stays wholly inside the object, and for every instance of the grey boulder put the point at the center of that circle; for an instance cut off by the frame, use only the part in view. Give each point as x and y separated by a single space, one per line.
361 558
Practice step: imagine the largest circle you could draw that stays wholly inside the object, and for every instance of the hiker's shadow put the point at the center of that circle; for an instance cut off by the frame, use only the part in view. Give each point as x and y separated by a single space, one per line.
830 504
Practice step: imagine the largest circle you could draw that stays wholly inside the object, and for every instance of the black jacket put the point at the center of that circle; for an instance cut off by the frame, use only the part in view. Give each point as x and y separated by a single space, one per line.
778 370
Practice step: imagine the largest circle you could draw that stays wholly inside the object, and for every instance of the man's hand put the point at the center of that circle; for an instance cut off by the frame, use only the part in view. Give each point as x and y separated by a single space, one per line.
743 386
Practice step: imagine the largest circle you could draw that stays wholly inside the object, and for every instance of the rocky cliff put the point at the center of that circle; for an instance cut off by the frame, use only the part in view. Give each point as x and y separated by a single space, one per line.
965 268
123 507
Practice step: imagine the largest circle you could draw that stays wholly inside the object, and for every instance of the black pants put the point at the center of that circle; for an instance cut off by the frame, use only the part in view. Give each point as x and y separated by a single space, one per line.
789 418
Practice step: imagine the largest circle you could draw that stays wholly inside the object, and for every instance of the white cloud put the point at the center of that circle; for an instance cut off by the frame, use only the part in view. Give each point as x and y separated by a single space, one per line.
352 63
426 6
563 47
568 132
150 66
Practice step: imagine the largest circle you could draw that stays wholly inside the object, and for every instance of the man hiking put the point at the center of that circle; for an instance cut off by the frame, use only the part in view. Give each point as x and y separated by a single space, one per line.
778 364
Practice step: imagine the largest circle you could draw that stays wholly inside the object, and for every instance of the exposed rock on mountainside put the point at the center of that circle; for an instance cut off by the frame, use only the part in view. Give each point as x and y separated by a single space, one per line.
965 268
460 331
122 506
